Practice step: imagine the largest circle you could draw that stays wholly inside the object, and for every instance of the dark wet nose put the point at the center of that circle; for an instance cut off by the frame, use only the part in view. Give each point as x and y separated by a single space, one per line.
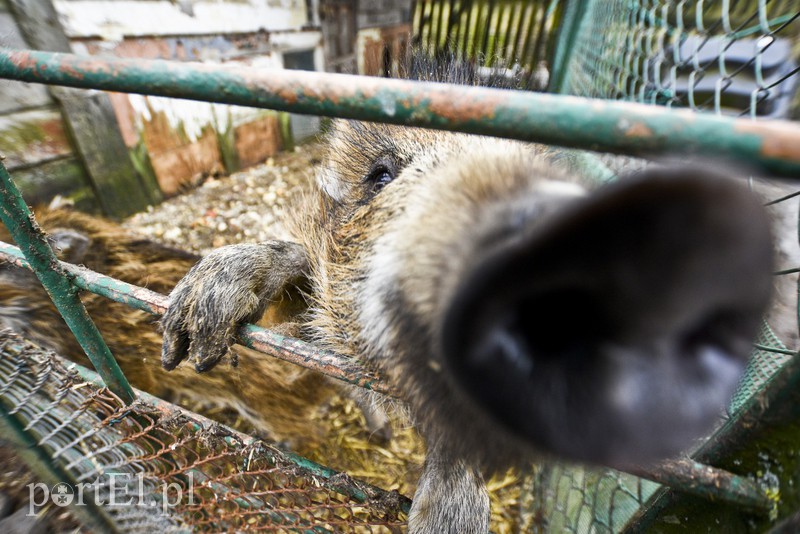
675 258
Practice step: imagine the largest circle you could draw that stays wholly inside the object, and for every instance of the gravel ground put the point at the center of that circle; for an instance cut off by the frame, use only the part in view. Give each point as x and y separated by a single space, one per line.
245 207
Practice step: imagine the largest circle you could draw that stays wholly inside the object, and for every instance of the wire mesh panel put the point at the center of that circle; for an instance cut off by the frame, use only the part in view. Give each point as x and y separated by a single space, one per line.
575 499
155 468
738 58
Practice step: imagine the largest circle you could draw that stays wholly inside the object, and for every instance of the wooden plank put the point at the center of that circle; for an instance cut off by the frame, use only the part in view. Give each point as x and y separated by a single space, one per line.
257 140
92 124
65 177
38 21
183 166
18 95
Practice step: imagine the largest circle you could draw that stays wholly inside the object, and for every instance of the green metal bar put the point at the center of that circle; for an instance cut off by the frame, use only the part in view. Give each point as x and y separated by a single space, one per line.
19 221
700 480
574 14
83 278
288 349
620 127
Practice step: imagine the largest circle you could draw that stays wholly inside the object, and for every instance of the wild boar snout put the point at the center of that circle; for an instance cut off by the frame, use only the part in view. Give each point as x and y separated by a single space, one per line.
613 327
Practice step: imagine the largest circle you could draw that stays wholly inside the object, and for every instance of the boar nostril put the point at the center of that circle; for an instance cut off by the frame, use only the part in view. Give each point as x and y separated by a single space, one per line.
615 329
560 322
507 351
713 331
548 327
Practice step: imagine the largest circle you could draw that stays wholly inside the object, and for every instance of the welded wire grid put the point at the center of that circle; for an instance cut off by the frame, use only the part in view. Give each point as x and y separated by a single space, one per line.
582 500
731 57
181 473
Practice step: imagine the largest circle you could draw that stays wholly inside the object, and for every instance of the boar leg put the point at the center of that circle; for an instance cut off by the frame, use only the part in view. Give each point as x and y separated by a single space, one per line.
448 479
230 286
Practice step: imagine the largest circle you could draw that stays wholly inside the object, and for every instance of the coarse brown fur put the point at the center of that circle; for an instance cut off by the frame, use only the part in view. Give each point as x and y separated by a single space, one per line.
617 345
277 398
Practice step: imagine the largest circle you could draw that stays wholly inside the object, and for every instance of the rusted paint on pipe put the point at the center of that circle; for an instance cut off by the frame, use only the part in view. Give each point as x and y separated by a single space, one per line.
694 478
620 127
306 355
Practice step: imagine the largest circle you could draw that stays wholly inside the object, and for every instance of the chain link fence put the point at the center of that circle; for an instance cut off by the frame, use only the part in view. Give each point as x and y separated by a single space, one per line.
728 58
735 58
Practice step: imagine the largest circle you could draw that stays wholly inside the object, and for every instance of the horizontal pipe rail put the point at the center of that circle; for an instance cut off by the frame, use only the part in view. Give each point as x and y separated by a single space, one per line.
687 476
619 127
285 348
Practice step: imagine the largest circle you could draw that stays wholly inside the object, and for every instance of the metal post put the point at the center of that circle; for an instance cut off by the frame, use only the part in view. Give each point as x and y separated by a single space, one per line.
33 243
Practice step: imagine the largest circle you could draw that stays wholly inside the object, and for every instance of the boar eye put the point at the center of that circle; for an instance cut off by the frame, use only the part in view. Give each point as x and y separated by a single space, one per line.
379 177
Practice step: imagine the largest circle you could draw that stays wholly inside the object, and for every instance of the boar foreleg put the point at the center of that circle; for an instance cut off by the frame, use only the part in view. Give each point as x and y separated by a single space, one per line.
230 286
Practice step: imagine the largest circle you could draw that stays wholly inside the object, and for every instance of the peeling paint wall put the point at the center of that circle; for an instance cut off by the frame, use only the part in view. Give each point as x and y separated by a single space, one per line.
114 20
183 140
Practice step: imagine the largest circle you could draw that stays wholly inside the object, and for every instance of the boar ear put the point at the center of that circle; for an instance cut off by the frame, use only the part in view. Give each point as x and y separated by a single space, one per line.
69 245
663 265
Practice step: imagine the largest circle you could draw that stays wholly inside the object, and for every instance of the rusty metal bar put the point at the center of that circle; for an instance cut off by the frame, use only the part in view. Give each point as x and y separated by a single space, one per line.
620 127
20 223
694 478
285 348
